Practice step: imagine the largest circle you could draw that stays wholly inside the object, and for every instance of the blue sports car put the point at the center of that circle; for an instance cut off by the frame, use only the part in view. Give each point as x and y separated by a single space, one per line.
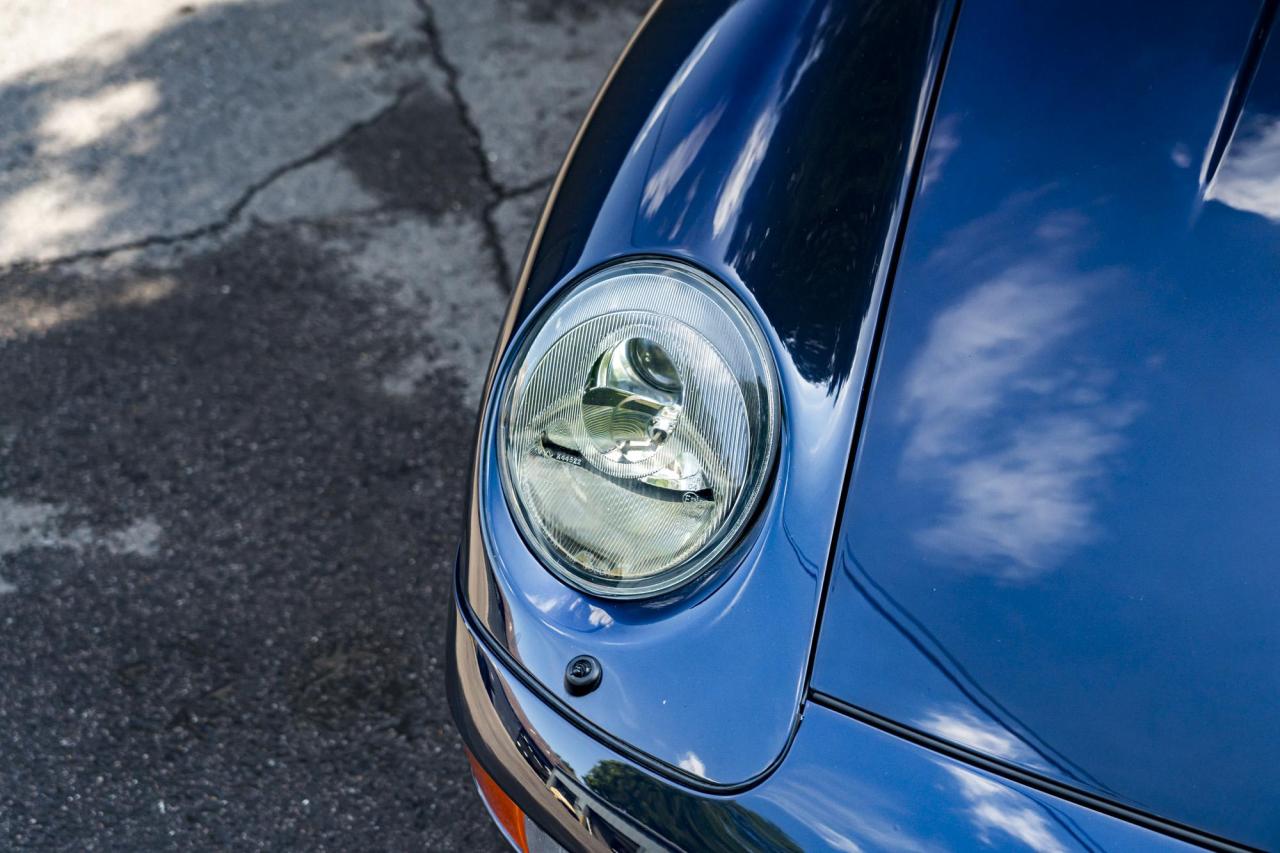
882 449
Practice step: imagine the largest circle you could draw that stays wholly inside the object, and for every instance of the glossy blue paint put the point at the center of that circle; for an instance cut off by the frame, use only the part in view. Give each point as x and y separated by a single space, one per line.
843 786
767 142
1060 543
1058 550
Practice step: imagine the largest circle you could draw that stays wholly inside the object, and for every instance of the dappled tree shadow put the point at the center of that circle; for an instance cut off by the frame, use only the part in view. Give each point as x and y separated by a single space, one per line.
159 129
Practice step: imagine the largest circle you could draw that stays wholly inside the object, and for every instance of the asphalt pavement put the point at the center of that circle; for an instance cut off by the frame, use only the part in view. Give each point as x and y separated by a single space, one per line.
253 256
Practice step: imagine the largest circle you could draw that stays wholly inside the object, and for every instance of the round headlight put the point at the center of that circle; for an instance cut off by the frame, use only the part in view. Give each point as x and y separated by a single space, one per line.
638 429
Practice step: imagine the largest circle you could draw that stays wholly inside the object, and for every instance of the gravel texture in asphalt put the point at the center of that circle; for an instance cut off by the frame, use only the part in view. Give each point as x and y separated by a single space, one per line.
253 256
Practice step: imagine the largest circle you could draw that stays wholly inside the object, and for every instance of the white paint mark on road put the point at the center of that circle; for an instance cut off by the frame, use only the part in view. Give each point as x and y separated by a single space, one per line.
31 524
139 538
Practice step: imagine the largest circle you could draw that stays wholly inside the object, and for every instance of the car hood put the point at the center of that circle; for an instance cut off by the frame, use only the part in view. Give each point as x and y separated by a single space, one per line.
1060 545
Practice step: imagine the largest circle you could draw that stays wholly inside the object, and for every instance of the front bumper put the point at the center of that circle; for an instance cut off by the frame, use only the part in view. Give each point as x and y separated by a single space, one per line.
844 785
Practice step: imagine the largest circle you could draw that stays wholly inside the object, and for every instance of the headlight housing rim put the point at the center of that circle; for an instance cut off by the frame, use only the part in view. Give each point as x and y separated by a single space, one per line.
516 363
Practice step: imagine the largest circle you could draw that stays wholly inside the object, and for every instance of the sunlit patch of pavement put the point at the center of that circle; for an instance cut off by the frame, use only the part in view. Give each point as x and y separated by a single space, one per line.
163 112
39 525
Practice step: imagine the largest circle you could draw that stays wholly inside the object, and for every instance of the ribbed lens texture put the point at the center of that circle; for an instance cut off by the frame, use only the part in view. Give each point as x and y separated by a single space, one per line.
639 429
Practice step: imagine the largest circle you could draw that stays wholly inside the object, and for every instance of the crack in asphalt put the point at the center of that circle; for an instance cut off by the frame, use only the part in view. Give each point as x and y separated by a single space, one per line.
532 186
498 193
237 208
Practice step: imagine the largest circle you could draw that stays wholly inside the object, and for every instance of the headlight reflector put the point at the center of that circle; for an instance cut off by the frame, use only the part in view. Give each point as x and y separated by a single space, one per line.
638 430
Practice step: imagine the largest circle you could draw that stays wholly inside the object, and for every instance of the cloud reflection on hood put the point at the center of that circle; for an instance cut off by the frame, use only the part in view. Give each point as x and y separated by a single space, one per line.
1008 414
1249 177
960 725
997 810
848 820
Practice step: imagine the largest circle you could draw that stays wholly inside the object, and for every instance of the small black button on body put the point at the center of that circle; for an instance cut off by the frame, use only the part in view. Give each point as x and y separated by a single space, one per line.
582 675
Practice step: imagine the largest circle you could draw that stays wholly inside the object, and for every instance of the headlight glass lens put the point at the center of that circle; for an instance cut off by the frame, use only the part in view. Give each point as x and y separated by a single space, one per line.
638 429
